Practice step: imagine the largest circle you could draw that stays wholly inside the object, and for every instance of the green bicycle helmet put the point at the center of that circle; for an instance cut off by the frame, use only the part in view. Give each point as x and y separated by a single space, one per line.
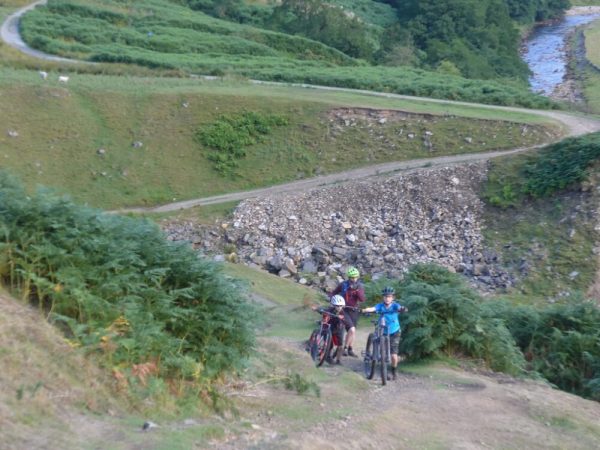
352 272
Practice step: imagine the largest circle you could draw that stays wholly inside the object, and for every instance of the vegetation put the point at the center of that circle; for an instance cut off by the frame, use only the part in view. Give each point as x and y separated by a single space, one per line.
161 318
552 168
539 222
230 135
166 36
478 37
94 121
559 342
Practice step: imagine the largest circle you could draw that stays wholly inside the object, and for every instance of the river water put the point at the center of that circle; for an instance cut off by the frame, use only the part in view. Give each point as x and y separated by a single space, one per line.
545 52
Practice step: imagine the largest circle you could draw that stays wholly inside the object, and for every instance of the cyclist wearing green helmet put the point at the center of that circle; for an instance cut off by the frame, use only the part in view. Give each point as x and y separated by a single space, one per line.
353 292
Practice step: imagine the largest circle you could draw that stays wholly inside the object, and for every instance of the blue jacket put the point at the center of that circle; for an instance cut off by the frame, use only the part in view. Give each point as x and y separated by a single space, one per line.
391 315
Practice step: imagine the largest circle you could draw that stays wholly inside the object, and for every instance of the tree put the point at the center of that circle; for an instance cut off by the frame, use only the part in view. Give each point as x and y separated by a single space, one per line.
326 23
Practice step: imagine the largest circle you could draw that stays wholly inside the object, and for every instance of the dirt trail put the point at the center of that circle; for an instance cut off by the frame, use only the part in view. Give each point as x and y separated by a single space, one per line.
443 408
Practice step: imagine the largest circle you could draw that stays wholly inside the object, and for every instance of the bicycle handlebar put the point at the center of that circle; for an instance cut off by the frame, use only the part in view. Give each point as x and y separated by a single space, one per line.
323 311
353 308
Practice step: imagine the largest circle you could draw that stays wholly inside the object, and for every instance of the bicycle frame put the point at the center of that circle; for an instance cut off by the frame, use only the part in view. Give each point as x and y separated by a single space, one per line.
378 350
381 333
320 340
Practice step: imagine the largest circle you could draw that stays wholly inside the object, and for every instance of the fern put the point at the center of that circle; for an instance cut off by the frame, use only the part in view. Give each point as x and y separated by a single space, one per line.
87 269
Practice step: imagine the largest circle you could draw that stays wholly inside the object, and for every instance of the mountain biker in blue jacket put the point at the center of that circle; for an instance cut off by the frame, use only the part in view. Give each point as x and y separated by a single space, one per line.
353 292
390 310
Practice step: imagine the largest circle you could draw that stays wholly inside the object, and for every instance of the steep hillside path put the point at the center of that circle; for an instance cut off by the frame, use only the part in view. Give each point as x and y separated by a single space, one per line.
574 125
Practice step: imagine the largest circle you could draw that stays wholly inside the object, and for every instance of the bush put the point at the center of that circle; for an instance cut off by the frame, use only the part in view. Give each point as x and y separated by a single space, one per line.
445 317
120 289
552 168
561 342
229 135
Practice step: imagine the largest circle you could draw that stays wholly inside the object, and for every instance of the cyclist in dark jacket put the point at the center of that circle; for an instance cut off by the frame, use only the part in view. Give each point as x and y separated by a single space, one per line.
338 320
390 310
353 292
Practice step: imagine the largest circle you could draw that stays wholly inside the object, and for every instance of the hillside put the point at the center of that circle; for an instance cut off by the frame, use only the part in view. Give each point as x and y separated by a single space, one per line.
49 392
430 406
158 344
170 38
128 146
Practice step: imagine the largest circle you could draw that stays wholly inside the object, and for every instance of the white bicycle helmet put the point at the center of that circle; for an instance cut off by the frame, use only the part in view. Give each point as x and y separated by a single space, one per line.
337 300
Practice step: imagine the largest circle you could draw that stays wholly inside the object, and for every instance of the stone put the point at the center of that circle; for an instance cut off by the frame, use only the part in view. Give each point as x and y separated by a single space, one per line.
309 265
290 266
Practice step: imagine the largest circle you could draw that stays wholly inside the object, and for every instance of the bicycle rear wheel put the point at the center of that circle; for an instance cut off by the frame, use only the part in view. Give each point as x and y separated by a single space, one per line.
321 348
383 353
369 359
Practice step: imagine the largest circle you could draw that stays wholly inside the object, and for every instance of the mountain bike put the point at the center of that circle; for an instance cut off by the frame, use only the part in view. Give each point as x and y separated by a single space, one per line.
377 350
321 339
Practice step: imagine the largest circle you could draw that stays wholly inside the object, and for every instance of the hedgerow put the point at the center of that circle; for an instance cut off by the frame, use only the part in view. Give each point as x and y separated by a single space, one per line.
119 289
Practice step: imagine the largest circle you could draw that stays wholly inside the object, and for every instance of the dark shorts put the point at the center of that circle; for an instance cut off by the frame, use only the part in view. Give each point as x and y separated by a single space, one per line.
351 318
337 335
394 343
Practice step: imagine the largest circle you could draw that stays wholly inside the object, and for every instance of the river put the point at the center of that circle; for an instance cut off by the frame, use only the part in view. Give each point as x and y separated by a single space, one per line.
545 49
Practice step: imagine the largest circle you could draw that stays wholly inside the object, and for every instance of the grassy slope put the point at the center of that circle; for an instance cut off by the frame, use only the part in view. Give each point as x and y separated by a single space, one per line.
592 43
59 124
591 76
420 411
160 35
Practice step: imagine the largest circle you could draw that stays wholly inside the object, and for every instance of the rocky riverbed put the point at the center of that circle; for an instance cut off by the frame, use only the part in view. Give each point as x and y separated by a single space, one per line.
381 225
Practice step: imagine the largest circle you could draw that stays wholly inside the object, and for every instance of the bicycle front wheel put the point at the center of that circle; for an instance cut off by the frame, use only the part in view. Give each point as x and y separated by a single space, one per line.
369 359
312 344
383 353
322 348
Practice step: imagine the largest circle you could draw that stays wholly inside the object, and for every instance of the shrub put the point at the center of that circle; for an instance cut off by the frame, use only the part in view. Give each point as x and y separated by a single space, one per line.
552 168
230 135
561 342
445 317
120 289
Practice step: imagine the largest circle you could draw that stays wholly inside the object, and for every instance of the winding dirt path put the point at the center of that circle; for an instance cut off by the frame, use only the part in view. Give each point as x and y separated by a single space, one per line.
573 125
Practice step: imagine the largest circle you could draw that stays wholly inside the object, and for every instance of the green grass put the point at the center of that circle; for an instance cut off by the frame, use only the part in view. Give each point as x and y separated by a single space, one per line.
592 43
273 288
552 234
165 36
71 123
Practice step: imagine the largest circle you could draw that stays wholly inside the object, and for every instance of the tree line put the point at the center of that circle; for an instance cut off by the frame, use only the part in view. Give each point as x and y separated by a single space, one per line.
472 38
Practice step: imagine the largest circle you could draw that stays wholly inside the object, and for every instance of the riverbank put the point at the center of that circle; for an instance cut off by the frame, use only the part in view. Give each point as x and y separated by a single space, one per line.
582 10
561 62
